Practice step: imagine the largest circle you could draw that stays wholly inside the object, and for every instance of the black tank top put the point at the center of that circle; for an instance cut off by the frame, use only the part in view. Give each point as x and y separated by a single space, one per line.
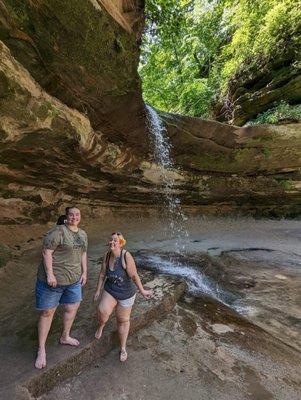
118 283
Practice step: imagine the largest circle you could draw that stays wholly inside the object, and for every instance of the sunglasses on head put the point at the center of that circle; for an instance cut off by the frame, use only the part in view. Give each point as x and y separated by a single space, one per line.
117 233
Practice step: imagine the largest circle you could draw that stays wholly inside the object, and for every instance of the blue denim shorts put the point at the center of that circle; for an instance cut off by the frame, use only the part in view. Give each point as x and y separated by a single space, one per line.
48 297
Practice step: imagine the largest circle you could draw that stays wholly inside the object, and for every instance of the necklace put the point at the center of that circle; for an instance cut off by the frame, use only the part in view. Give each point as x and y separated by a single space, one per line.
115 260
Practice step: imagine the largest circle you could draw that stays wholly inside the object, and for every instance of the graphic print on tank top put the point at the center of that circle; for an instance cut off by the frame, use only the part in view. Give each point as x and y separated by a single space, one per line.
118 283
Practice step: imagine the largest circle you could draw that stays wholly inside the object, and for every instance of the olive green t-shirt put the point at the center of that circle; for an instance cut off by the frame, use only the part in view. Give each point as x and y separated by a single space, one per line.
68 248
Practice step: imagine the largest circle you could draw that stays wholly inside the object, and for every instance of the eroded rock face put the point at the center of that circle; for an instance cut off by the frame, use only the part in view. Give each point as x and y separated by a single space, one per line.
257 88
73 124
49 152
125 12
255 168
85 53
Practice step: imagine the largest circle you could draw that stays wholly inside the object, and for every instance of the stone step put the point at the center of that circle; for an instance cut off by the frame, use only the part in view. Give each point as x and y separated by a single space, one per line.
64 362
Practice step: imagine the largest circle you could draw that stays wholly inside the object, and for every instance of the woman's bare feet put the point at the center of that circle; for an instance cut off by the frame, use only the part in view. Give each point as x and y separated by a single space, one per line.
41 359
98 333
69 341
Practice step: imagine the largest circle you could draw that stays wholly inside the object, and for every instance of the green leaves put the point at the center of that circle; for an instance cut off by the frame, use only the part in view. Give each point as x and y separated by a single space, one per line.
279 112
192 50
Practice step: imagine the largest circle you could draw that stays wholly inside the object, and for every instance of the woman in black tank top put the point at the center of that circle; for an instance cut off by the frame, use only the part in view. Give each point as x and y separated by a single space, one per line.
119 279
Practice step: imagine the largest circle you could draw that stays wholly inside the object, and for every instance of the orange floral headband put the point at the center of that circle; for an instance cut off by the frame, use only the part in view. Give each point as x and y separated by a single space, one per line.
122 240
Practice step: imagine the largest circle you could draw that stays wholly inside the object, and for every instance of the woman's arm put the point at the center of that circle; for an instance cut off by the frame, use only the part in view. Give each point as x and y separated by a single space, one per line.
84 265
101 278
133 274
47 259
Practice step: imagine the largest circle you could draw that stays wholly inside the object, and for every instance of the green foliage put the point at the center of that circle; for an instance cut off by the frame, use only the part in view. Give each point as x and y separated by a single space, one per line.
175 63
267 152
261 30
281 111
286 184
192 49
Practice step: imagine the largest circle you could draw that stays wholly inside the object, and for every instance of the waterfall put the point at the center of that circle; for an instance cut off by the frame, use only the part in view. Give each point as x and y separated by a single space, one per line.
162 150
197 282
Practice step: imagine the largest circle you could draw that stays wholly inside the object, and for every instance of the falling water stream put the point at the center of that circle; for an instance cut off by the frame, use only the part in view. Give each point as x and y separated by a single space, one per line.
198 283
162 156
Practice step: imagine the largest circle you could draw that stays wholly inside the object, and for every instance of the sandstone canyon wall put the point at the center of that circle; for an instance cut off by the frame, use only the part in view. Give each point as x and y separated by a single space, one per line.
256 88
73 124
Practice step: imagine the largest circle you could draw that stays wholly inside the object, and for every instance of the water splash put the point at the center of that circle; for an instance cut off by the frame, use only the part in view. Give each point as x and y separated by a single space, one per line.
162 156
197 282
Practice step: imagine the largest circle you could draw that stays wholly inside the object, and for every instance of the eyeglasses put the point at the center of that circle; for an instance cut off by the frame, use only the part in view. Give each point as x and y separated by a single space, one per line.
117 233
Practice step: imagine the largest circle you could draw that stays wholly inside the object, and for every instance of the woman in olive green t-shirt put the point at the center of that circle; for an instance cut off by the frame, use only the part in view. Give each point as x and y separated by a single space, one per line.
61 275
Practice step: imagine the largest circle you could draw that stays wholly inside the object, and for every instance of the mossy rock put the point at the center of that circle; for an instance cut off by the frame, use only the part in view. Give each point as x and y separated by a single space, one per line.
5 255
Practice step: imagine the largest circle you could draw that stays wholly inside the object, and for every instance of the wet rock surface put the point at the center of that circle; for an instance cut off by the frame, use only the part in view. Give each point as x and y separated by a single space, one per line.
250 283
184 355
270 292
266 292
19 338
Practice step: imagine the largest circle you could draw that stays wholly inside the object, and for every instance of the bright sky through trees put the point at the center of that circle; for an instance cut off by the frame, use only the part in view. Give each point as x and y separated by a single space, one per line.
192 49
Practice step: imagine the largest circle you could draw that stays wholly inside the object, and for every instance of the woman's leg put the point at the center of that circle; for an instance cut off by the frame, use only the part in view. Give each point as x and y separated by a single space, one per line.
47 300
68 318
71 298
123 326
105 309
45 320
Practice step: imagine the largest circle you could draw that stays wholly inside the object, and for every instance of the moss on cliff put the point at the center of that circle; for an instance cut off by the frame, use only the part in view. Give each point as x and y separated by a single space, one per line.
5 255
81 54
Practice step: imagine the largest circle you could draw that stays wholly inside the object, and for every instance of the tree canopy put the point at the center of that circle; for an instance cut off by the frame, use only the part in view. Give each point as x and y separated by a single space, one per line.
192 49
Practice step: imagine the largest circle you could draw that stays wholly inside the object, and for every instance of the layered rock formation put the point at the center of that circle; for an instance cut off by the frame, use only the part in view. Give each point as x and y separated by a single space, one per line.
81 54
73 124
258 86
47 146
254 169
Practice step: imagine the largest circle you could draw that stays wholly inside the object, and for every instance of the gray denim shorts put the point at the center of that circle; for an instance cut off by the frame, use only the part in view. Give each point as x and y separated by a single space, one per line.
127 302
